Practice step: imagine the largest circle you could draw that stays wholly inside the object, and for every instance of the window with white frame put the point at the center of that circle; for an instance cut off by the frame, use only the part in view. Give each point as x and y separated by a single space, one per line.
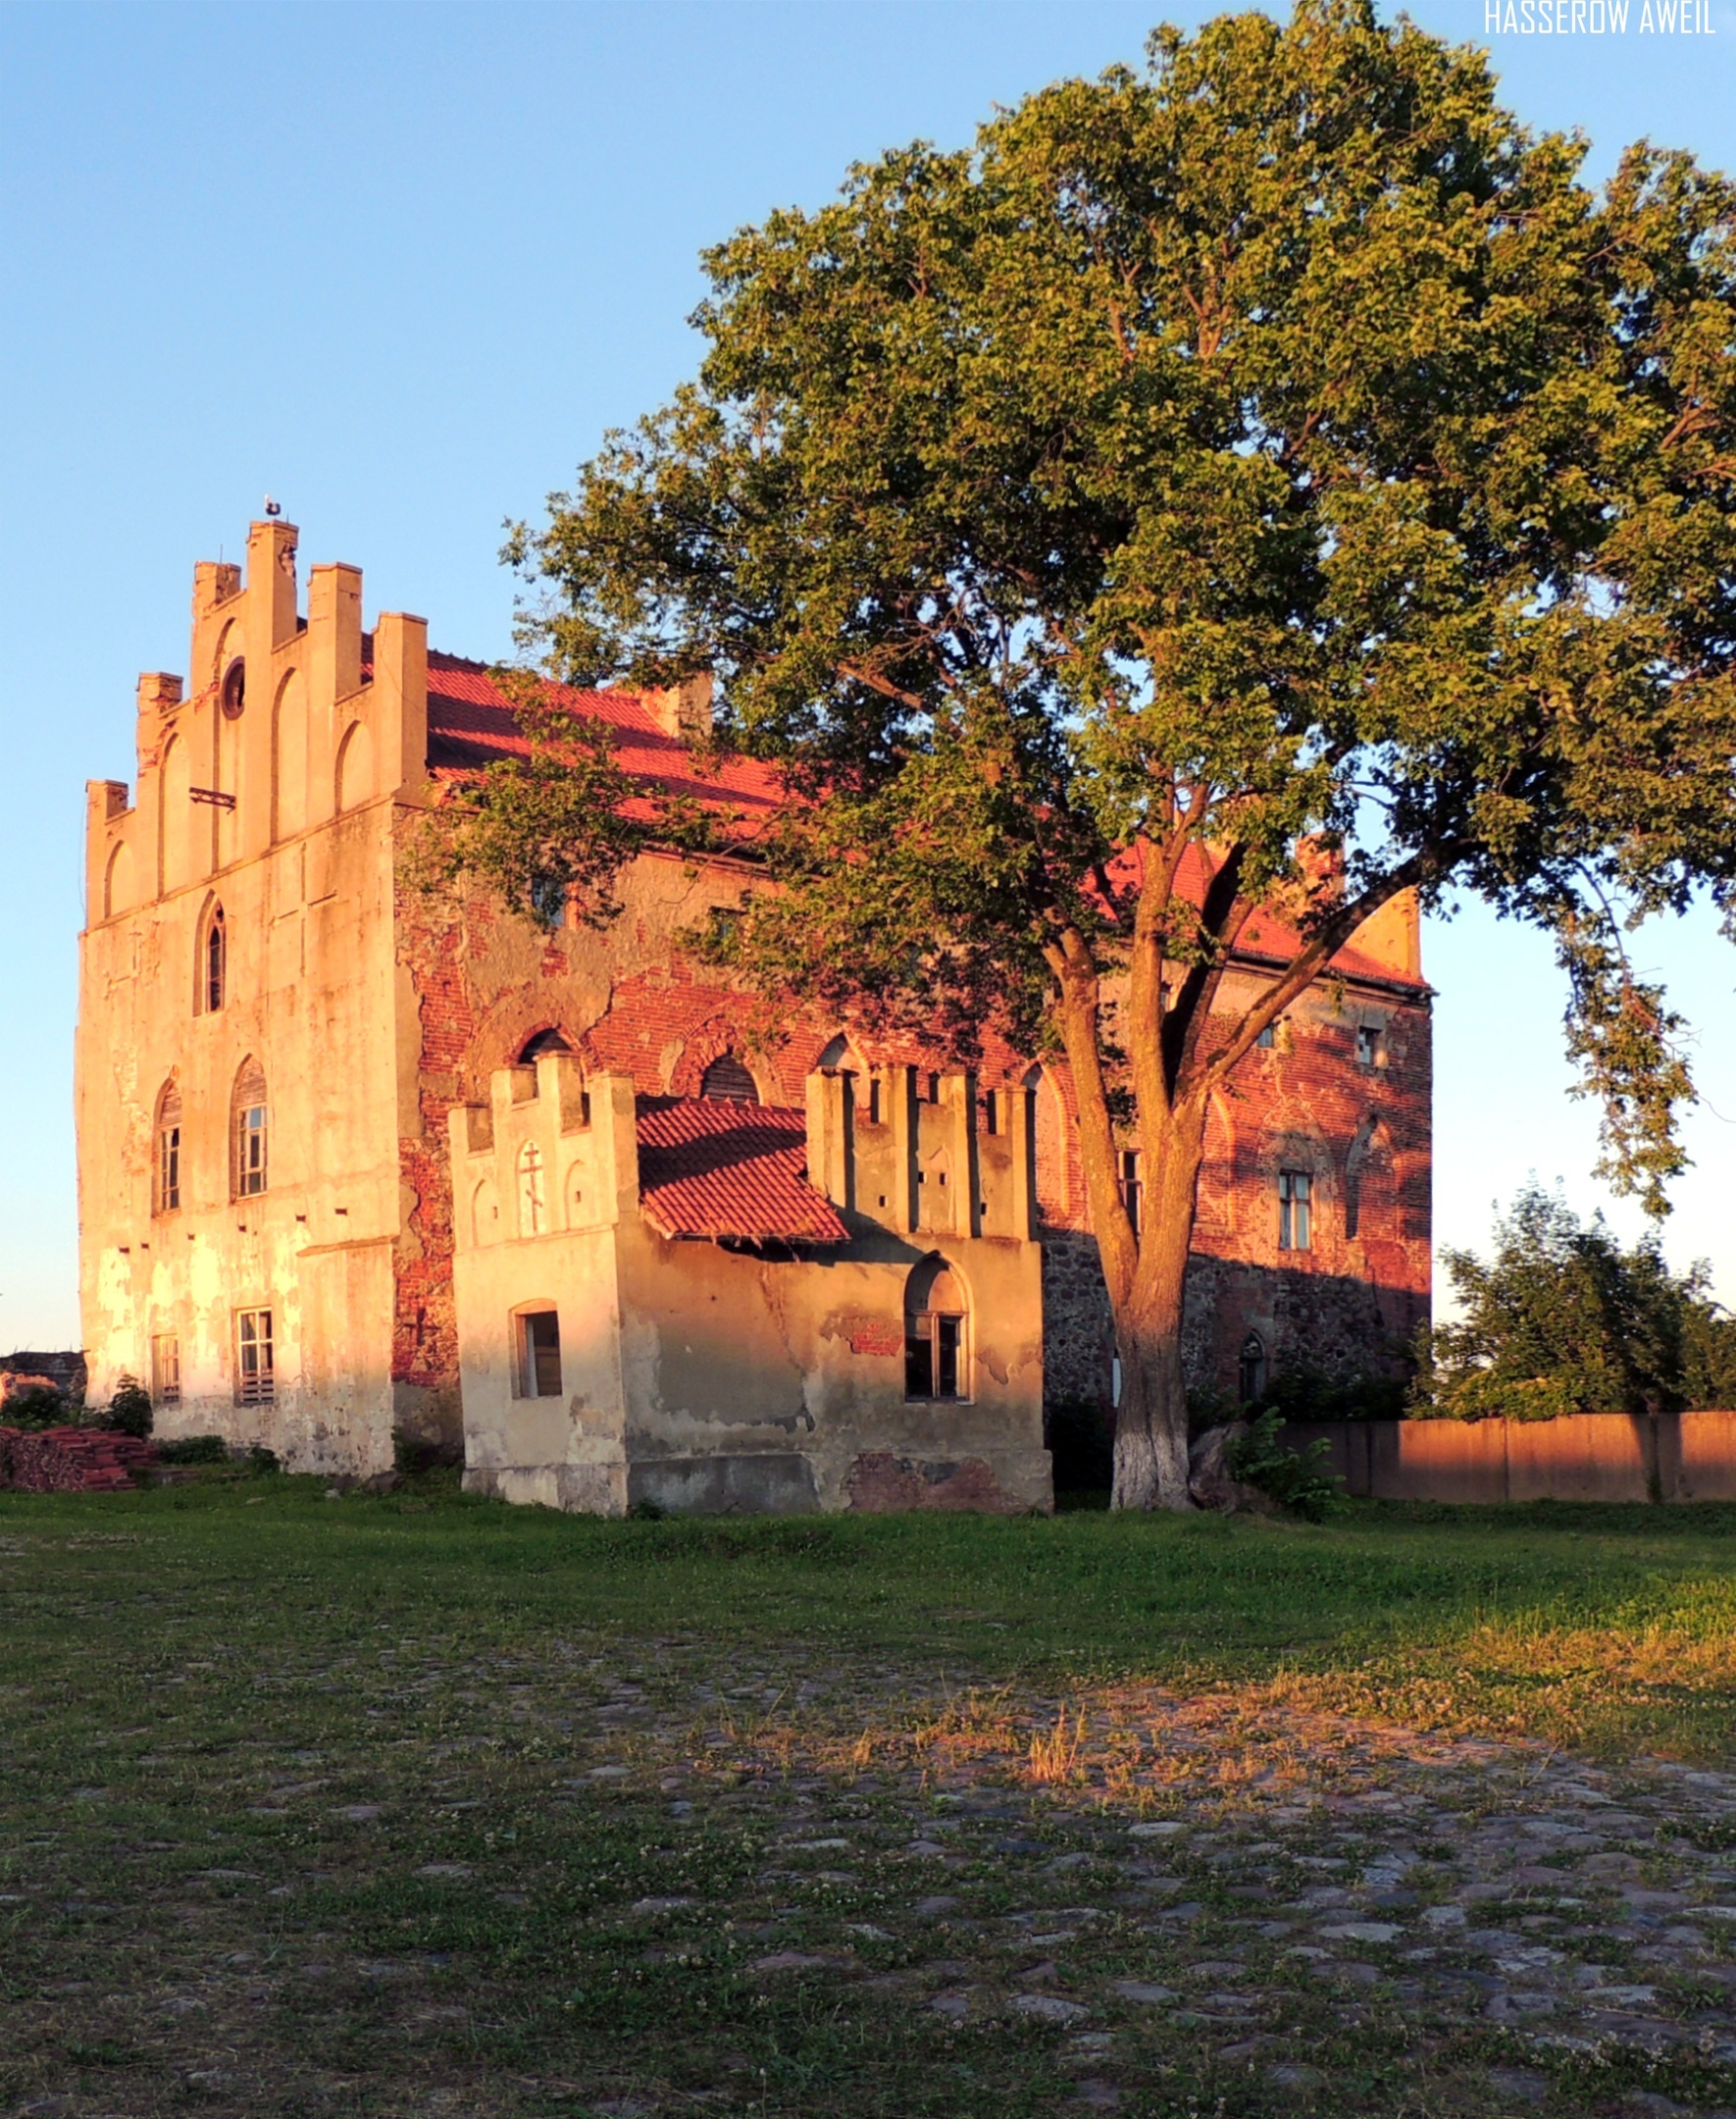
250 1132
1296 1211
165 1170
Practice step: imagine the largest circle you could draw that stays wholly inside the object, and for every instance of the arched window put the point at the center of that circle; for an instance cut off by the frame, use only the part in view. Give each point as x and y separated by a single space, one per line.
937 1355
727 1078
542 1041
212 966
166 1160
250 1131
1250 1370
533 1200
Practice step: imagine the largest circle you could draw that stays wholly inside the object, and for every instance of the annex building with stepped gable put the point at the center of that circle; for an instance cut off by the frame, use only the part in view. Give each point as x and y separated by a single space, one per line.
353 1161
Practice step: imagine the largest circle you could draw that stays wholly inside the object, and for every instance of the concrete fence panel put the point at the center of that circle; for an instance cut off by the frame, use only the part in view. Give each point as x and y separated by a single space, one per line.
1591 1457
1706 1467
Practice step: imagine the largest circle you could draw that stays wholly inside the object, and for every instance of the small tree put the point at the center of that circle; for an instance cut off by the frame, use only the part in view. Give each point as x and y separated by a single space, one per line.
130 1409
1562 1319
1270 479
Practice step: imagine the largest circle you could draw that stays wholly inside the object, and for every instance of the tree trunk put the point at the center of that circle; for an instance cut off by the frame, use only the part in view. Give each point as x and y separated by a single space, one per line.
1151 1419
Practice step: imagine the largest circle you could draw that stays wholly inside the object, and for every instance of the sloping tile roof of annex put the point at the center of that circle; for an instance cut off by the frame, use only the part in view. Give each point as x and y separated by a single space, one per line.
709 1168
471 721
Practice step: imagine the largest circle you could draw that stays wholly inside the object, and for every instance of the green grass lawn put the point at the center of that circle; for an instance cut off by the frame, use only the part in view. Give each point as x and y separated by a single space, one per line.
275 1769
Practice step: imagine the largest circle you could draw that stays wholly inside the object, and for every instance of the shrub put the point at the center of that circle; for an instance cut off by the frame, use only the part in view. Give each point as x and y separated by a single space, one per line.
35 1408
196 1449
130 1409
412 1455
1305 1394
262 1463
1300 1483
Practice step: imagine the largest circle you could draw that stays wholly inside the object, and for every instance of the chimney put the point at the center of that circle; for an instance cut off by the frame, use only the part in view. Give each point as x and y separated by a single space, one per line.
684 710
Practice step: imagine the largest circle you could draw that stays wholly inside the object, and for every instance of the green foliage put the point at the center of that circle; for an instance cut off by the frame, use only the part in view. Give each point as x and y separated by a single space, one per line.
1303 1394
199 1449
1562 1319
1275 460
262 1463
130 1409
412 1455
35 1409
1298 1481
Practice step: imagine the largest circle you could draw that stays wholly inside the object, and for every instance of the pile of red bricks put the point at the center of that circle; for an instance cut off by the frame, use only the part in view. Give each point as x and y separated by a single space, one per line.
72 1460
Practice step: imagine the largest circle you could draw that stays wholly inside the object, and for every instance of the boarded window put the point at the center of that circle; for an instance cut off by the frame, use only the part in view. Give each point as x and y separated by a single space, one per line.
251 1132
255 1366
725 1078
539 1363
165 1175
165 1371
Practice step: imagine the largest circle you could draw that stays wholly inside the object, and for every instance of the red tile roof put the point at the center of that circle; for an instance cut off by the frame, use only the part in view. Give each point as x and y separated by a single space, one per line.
470 723
707 1167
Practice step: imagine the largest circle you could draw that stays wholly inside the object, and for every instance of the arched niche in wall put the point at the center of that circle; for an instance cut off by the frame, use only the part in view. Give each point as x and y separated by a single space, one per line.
484 1214
175 819
119 883
1368 1181
1054 1191
355 767
229 647
290 757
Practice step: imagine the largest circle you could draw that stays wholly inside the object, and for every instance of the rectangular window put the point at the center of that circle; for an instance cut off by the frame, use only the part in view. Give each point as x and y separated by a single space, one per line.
250 1151
1130 1189
255 1370
934 1355
1367 1045
165 1371
540 1354
1296 1227
1268 1036
169 1169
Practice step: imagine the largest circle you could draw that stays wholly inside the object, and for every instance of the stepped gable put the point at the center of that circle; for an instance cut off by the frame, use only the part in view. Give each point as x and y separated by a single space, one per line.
471 723
711 1167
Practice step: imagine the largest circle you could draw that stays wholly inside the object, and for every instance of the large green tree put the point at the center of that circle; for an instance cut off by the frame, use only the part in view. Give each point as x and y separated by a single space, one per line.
1274 468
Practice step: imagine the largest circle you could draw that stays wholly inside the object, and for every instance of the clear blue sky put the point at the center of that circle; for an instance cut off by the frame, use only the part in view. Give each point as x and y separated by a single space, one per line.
401 267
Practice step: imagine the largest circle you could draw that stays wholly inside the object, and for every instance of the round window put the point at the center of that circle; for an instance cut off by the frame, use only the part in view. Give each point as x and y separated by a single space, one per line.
235 688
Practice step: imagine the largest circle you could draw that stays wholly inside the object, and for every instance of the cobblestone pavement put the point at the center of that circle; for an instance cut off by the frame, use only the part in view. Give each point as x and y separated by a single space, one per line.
1262 1864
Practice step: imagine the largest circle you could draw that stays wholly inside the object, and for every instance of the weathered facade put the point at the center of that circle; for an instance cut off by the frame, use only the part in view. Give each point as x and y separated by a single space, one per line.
702 1303
275 1030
